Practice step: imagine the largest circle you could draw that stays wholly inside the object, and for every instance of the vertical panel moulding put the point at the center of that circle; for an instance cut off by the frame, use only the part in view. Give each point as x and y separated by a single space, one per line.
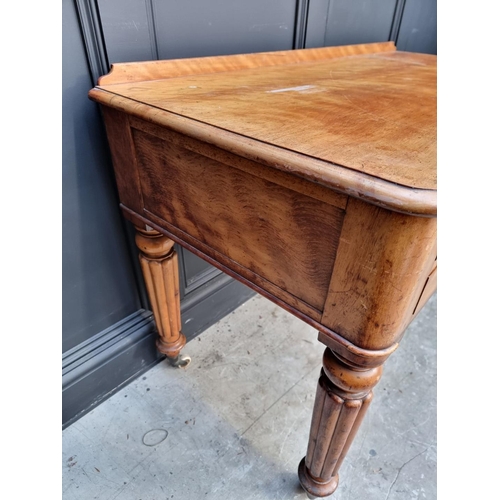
151 16
330 414
160 287
317 417
148 279
359 419
345 423
171 280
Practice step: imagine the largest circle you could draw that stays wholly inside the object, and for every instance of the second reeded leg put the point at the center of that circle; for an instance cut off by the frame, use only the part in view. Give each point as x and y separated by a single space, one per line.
342 398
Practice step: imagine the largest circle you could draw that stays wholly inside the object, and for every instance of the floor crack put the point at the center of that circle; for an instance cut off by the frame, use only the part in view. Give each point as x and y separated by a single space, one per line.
401 468
277 401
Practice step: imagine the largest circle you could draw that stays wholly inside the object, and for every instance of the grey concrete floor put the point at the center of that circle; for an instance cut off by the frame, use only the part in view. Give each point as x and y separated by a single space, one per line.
235 423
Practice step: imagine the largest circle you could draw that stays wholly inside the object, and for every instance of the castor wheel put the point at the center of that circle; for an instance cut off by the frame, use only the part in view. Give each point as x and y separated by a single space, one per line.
180 361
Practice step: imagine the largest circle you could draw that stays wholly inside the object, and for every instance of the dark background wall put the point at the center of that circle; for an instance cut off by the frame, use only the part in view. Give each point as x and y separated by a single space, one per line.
108 331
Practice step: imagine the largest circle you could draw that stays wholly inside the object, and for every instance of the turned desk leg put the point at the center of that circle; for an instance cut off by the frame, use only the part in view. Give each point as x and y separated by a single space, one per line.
161 274
343 395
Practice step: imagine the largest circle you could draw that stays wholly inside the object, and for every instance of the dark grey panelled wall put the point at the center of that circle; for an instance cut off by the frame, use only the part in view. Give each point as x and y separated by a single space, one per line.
409 23
98 287
108 332
194 28
343 22
102 316
417 32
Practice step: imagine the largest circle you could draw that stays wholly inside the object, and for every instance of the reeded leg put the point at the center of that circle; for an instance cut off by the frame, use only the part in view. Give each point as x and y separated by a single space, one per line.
161 274
342 398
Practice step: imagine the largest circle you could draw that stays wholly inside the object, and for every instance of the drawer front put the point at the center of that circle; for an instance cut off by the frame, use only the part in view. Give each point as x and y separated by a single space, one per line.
259 225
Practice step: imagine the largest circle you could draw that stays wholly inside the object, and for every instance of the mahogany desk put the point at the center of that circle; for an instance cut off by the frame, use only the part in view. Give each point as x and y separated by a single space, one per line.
308 175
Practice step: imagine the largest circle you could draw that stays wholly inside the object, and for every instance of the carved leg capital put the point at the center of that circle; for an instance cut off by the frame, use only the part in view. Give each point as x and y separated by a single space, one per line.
342 398
161 274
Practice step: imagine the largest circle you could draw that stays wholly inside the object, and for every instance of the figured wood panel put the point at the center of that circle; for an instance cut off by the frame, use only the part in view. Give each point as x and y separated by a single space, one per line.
220 155
286 237
123 155
171 68
374 114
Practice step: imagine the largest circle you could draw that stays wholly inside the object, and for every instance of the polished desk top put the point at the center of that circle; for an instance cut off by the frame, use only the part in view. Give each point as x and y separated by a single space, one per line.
309 175
365 121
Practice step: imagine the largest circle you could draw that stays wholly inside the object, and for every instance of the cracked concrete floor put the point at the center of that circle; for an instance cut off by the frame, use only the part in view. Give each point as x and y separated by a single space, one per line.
235 424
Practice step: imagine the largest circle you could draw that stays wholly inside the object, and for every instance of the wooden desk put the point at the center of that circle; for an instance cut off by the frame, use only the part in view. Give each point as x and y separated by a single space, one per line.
308 175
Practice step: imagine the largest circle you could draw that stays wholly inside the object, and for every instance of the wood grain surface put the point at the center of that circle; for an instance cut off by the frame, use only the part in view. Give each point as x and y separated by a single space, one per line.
170 68
373 113
343 180
160 268
383 261
280 234
343 396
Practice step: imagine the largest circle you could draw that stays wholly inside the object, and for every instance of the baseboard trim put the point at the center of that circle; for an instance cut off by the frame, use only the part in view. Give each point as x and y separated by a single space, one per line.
98 368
